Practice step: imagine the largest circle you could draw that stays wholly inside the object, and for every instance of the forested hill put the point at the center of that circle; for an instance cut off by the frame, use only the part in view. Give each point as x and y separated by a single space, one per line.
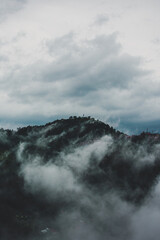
67 174
50 139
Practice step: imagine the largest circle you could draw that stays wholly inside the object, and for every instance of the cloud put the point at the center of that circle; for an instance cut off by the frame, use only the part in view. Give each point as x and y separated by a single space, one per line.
80 186
93 210
145 219
60 180
8 7
156 41
80 158
61 174
81 76
57 63
101 19
52 180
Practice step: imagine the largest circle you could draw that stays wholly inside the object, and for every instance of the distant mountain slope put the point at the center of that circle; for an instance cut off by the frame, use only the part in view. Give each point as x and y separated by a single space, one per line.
68 167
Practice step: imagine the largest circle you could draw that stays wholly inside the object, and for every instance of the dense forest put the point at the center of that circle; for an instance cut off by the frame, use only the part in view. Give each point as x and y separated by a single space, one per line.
75 178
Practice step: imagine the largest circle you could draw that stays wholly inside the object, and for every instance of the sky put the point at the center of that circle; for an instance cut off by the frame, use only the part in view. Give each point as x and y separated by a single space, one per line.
99 58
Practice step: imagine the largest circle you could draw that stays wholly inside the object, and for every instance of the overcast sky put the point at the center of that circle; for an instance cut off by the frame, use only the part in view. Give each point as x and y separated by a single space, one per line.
69 57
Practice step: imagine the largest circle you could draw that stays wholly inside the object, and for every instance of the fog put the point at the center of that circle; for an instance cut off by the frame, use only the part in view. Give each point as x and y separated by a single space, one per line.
103 187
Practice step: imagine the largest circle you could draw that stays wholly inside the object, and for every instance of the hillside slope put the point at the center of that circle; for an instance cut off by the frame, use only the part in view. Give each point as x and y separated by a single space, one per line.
66 179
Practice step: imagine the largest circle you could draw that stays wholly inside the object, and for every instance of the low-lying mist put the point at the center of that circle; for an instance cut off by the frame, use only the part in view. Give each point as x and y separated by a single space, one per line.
79 179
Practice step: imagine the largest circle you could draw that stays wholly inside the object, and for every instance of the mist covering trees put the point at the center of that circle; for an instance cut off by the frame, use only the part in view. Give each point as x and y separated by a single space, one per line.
72 177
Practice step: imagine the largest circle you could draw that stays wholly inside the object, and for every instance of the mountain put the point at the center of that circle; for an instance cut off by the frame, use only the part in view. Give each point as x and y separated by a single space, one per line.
69 178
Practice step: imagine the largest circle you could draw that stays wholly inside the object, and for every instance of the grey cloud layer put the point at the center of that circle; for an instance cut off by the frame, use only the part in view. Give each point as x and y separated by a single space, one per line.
53 62
88 76
10 6
101 19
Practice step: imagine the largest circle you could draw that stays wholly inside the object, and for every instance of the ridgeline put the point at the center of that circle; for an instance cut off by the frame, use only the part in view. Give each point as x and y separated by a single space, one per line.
43 170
